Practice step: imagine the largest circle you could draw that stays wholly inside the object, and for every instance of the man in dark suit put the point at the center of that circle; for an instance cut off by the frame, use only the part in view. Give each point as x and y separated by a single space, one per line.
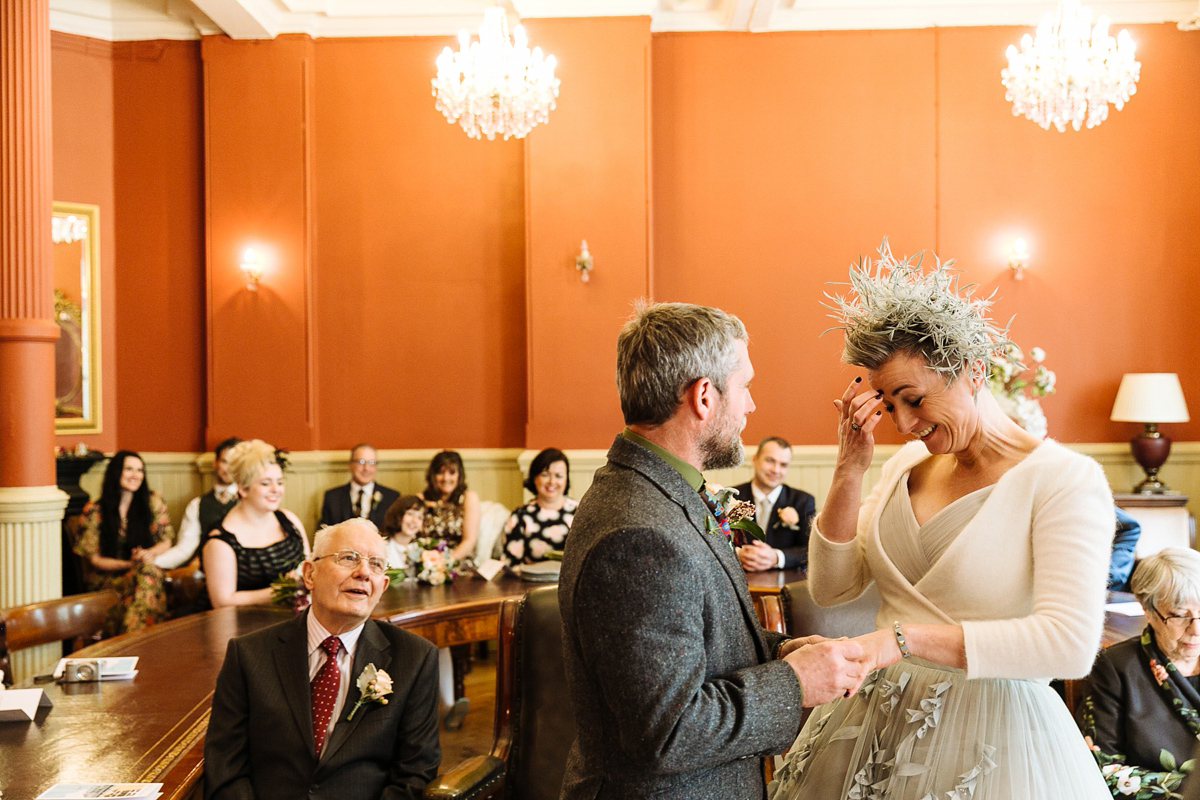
785 514
290 715
362 496
677 690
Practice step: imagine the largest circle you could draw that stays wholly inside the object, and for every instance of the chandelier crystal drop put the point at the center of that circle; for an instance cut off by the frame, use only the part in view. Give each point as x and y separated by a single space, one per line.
1068 72
495 85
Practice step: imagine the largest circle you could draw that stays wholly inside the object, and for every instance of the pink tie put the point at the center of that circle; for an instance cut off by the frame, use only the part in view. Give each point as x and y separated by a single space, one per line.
325 691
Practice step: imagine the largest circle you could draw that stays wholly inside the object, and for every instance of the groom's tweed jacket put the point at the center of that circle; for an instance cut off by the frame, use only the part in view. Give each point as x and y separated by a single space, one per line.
671 677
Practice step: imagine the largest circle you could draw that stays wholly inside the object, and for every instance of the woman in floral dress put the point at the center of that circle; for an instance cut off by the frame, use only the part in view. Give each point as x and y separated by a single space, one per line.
453 509
122 532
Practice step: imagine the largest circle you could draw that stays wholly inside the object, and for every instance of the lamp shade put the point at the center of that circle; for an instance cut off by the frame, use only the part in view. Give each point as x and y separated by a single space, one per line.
1150 397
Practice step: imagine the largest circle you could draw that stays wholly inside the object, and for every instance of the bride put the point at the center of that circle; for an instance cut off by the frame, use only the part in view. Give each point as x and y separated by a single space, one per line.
990 550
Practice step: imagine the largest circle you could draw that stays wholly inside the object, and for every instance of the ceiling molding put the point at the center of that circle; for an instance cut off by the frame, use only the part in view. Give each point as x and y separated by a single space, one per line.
122 20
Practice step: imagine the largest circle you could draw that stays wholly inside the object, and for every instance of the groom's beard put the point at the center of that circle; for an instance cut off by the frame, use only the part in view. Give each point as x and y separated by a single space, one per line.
721 447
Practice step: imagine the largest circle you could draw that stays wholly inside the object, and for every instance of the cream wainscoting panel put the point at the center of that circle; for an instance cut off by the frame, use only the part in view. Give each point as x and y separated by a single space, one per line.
497 474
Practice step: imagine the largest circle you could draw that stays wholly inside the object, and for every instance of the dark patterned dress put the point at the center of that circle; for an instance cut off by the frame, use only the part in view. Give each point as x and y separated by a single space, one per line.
445 521
257 567
532 531
142 588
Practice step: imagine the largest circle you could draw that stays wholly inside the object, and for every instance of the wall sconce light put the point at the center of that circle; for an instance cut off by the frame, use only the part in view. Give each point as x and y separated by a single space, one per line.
1018 258
251 268
583 262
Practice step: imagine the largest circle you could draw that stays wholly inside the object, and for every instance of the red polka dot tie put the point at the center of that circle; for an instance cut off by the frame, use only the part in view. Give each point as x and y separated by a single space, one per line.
325 691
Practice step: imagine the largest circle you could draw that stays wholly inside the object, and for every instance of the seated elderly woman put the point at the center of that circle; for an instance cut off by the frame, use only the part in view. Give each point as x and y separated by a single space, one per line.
535 529
257 541
1140 709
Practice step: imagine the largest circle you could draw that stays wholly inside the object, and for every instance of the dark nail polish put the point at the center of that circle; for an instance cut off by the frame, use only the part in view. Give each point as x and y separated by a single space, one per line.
858 379
879 393
879 413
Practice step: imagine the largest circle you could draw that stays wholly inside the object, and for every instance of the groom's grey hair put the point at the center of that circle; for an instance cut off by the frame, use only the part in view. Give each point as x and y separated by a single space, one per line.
665 348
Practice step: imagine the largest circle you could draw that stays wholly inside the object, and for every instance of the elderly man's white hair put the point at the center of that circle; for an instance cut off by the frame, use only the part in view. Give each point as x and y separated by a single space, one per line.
1169 579
321 540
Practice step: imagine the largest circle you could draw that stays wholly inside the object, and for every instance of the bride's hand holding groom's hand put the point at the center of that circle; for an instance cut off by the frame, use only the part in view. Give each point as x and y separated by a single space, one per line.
879 649
827 668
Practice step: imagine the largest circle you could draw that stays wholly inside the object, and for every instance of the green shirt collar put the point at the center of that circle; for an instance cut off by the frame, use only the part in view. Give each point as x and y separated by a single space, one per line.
689 473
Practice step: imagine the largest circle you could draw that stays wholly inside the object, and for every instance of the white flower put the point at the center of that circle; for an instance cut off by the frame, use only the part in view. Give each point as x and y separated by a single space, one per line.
374 685
1037 354
1127 782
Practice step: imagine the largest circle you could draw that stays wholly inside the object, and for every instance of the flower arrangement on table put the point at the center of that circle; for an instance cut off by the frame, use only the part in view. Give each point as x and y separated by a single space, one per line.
427 561
1017 387
289 590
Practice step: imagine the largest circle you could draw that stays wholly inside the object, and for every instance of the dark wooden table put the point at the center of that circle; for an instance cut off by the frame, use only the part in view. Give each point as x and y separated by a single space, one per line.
467 610
147 730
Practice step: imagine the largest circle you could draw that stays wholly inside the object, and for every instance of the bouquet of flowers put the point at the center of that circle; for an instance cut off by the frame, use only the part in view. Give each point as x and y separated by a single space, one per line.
1018 391
429 562
289 590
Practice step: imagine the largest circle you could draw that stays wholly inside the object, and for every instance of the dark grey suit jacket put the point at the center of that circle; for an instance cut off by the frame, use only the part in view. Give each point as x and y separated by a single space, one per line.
336 506
793 542
260 737
671 676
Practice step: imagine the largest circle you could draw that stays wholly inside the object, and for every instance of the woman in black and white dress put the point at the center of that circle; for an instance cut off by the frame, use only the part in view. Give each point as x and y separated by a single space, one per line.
541 526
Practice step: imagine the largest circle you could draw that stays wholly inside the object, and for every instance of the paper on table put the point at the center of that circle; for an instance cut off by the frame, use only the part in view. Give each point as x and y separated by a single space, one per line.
20 705
80 791
116 668
489 569
1129 608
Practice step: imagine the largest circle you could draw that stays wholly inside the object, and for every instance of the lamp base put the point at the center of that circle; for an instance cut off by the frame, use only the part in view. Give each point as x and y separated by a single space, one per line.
1152 485
1150 451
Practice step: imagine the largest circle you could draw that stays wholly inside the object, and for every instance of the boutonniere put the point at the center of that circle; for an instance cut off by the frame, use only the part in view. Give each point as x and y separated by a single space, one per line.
374 685
740 513
789 518
375 498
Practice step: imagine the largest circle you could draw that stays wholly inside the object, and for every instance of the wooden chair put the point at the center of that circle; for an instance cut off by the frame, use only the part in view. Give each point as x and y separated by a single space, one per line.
186 591
78 619
535 725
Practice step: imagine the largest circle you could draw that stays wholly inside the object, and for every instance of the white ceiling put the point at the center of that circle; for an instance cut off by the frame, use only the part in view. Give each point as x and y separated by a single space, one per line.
121 20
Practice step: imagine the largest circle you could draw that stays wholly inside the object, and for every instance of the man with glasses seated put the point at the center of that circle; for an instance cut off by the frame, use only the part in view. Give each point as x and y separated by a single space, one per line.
330 704
1141 709
362 496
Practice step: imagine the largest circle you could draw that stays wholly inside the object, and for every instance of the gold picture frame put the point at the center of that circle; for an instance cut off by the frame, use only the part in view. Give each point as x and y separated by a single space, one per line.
77 376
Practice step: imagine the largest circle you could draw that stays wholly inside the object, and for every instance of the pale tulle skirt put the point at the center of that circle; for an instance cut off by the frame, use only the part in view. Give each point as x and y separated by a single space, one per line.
920 731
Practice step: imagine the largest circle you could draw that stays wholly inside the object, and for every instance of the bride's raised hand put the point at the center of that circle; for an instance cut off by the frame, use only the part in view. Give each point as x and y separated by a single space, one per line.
858 414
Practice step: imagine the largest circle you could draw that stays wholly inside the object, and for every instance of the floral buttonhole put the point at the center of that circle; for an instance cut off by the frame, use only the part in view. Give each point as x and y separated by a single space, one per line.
740 513
374 685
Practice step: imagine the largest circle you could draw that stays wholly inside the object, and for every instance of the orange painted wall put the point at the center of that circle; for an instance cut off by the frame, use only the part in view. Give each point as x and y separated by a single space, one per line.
81 85
587 177
159 211
778 159
418 258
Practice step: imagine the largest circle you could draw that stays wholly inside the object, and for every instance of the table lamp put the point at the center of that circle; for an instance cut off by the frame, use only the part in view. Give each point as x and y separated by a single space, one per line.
1150 398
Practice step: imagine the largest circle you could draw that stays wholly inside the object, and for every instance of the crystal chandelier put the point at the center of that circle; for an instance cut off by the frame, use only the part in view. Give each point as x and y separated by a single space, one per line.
1069 72
495 85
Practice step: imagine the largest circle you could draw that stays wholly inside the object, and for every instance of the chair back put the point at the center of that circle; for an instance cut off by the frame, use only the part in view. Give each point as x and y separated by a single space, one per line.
535 725
803 617
78 619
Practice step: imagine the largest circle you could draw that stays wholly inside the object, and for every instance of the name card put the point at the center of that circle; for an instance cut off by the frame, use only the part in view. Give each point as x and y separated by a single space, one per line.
20 705
490 568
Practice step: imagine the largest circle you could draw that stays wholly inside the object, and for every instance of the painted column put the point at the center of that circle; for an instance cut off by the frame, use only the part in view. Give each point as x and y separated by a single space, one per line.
31 506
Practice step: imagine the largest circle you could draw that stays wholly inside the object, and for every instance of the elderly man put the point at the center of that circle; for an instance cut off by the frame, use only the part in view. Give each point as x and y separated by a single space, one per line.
785 514
677 690
362 496
331 704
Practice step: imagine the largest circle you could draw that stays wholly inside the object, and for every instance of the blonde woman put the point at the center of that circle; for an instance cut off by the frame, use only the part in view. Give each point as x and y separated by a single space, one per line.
257 541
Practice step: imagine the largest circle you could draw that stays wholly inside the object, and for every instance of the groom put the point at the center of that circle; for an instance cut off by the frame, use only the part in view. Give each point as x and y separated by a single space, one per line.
677 690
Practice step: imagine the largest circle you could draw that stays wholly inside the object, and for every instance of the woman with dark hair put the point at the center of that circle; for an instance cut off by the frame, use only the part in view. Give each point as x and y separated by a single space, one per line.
123 532
402 524
453 509
535 529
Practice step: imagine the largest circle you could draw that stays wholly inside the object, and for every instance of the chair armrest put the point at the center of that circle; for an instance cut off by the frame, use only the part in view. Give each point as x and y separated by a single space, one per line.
477 777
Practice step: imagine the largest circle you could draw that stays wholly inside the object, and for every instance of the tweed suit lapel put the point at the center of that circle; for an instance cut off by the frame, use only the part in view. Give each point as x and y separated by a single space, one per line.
674 487
291 662
373 648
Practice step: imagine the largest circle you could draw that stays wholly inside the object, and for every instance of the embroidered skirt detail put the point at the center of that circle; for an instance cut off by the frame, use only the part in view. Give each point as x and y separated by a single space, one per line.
920 731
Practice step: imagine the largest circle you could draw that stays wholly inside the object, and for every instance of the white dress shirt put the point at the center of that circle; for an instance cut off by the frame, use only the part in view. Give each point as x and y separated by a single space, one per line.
345 659
357 493
188 540
763 503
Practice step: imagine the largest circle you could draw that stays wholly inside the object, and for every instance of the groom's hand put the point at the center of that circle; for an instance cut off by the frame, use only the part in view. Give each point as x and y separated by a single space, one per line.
827 670
801 641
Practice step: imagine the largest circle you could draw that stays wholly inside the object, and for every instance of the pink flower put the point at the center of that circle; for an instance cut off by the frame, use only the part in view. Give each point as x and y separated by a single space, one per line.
1160 673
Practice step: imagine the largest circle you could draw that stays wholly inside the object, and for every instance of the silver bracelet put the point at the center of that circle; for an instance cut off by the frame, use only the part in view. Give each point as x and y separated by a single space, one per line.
904 652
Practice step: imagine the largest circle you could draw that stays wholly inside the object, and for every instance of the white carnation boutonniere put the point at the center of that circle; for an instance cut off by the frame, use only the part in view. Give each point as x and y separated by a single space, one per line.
374 685
740 513
376 498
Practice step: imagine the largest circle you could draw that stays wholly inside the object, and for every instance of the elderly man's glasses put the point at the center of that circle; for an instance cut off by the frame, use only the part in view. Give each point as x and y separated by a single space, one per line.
1177 622
364 462
350 559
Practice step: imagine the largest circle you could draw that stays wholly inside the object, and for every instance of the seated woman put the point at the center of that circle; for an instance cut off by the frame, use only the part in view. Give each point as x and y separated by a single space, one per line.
257 541
404 522
1140 709
453 509
122 534
535 529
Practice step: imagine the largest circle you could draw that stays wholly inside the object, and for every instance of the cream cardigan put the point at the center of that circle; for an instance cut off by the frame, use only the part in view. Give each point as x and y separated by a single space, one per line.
1025 578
